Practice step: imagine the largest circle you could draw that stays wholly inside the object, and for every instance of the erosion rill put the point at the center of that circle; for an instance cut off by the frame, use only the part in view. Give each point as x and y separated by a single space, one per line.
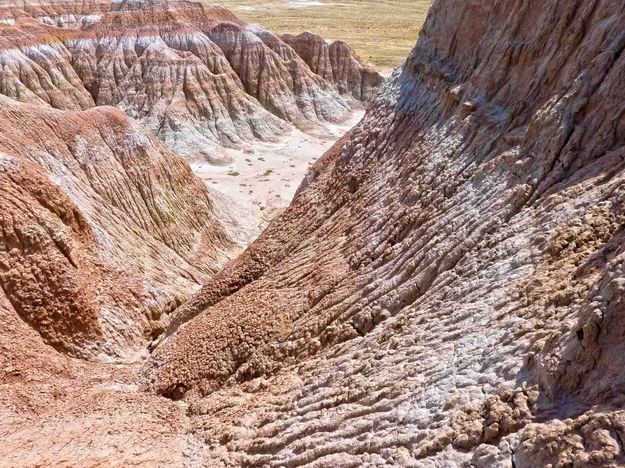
127 200
446 288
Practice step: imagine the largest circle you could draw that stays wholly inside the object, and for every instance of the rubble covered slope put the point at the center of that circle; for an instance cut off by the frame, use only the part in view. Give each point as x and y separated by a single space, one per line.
446 287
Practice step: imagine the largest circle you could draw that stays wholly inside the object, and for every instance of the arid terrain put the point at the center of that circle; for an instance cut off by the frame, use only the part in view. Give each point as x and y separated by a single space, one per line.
445 288
261 178
382 32
209 86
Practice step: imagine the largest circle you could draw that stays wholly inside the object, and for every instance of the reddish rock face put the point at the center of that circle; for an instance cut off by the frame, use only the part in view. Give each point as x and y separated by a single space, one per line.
197 76
337 63
157 62
93 208
445 289
63 14
104 231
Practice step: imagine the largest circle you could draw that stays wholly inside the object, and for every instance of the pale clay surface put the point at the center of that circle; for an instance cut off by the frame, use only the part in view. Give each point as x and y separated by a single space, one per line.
445 289
260 180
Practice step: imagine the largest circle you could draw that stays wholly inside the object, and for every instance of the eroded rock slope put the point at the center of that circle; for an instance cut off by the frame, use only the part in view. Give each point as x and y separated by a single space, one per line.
195 75
446 288
104 230
337 63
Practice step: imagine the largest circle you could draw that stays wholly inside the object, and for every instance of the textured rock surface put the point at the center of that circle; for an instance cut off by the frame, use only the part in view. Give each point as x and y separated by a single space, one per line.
195 75
60 411
103 230
446 286
60 13
337 63
445 289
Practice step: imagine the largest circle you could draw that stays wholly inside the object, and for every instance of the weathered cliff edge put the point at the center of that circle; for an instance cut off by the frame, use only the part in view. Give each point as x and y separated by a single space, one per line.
447 286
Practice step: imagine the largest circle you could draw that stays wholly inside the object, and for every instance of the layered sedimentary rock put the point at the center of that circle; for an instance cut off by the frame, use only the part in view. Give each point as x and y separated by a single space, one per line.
60 13
103 230
195 75
446 288
337 63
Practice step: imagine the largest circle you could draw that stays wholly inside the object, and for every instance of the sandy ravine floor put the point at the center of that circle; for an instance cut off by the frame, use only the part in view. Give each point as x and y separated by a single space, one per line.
263 177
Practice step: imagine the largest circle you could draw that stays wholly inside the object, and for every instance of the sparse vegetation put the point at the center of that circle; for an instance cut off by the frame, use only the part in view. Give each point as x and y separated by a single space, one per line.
381 31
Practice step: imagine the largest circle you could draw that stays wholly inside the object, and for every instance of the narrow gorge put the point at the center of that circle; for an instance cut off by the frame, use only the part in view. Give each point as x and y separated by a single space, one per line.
443 290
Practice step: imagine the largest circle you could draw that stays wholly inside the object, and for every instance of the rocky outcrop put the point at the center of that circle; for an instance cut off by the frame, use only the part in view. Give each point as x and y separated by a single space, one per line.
445 288
282 84
103 230
195 75
337 63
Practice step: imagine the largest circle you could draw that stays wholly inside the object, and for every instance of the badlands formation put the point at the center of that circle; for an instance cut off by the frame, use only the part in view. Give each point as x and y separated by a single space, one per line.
206 84
445 289
196 76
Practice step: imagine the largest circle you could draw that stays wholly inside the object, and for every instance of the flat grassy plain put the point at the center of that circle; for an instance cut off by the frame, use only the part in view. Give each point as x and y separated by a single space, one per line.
381 31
